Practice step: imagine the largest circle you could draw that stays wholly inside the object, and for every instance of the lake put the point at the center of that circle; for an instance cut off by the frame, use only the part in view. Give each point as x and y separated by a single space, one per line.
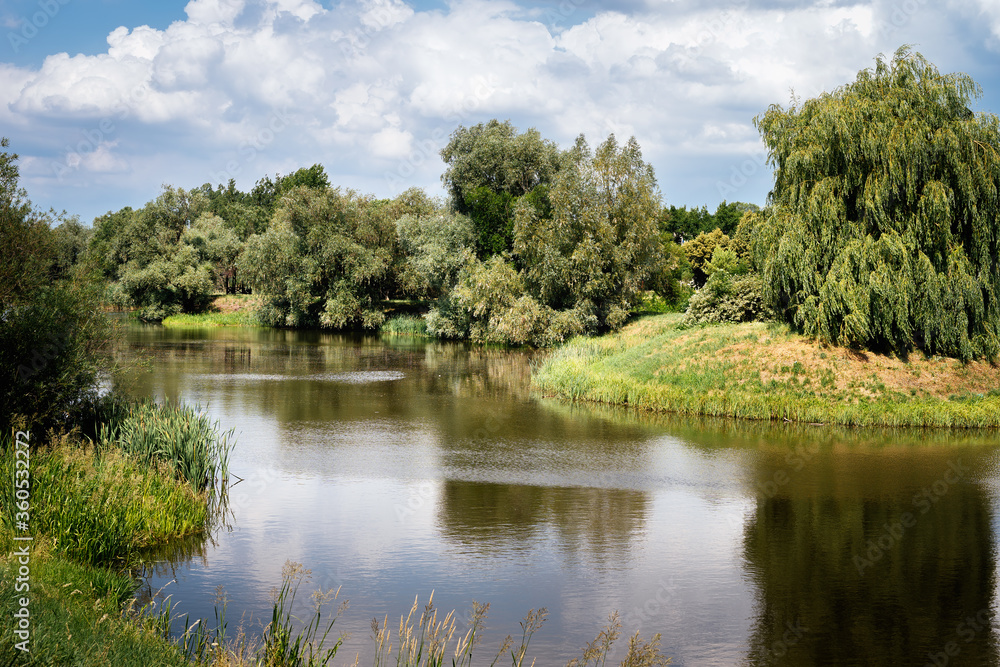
395 467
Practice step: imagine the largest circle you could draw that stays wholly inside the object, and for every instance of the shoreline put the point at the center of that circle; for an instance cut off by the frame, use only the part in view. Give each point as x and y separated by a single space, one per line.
765 372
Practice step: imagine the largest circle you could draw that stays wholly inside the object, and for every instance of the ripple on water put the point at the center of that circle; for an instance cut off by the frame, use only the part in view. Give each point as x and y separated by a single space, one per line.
350 377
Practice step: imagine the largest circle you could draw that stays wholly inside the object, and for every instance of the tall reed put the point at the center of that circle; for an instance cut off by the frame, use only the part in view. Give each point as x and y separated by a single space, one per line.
179 435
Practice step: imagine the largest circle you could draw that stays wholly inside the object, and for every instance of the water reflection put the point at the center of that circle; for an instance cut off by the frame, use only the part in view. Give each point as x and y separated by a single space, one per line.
601 523
872 557
395 467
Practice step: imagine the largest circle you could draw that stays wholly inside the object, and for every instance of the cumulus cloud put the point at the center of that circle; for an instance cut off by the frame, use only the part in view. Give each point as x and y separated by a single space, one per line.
372 88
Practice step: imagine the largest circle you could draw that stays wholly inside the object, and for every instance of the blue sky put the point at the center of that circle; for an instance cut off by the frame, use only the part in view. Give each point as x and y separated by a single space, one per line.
108 100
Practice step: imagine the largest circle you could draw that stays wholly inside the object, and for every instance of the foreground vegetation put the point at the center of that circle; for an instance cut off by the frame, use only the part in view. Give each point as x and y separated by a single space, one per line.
768 372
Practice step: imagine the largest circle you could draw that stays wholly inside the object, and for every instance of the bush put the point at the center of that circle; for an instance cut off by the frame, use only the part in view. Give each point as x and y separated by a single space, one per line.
726 298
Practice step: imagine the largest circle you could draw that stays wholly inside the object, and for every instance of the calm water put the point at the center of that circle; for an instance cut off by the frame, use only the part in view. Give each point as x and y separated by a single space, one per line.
393 468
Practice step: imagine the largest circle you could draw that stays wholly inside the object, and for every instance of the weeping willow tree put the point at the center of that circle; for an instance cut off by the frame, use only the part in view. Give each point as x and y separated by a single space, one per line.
881 230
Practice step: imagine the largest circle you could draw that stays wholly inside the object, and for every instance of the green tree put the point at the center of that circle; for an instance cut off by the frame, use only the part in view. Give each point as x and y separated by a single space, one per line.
267 193
682 224
727 216
490 166
53 333
699 251
217 244
323 260
599 246
141 250
434 248
70 239
238 209
881 228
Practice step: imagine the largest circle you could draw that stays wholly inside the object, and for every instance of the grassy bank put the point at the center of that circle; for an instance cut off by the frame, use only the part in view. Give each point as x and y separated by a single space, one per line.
405 325
90 510
230 310
766 372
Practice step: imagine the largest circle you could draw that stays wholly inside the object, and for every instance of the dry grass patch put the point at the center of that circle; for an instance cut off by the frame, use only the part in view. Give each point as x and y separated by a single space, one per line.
868 373
233 303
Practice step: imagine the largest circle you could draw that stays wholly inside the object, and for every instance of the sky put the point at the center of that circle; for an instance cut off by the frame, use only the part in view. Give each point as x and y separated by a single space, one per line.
107 101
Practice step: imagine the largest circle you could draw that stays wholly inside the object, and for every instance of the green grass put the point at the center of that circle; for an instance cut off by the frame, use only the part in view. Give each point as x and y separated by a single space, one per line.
239 318
103 509
405 325
91 513
765 372
180 436
76 619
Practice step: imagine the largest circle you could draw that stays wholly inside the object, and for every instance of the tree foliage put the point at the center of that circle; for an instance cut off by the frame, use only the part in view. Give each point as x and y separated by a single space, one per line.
699 251
684 224
142 250
217 245
599 246
434 249
490 166
584 258
882 225
53 333
727 298
323 259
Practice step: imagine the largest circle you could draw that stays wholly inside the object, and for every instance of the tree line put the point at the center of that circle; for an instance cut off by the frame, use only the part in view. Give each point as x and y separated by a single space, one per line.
880 232
532 245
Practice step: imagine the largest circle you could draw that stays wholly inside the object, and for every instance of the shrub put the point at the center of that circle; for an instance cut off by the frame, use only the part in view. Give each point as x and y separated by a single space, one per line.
726 298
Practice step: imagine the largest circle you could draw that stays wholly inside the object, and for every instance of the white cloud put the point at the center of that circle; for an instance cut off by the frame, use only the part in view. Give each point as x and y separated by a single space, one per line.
101 160
208 12
361 84
391 142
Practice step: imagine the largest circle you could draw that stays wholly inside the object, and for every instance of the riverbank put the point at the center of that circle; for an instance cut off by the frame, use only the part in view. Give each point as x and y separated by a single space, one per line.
228 310
86 515
766 372
403 317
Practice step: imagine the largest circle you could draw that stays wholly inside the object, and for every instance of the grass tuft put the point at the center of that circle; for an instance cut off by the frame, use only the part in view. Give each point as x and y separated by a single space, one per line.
405 325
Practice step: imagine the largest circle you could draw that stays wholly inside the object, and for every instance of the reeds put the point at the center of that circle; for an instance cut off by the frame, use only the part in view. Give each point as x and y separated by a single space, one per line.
405 325
178 435
280 643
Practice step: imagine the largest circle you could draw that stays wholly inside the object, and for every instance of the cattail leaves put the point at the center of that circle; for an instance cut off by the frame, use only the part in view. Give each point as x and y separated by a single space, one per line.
882 230
177 435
